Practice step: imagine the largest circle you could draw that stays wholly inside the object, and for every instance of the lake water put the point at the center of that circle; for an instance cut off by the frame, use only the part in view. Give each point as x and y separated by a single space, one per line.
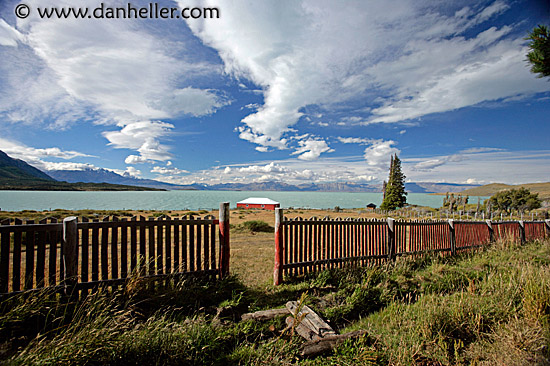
193 200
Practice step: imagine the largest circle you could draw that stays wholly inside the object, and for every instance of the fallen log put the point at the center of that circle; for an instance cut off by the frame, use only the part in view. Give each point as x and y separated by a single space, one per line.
309 325
265 314
319 346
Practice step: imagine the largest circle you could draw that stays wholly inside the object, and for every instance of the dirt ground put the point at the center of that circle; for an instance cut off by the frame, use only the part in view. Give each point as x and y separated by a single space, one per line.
253 254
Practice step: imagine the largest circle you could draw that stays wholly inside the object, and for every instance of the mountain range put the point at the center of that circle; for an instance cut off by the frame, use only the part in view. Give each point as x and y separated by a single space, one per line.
99 175
15 172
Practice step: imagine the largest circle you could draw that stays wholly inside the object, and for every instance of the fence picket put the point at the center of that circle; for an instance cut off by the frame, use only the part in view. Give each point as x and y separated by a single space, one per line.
110 250
5 237
16 280
40 256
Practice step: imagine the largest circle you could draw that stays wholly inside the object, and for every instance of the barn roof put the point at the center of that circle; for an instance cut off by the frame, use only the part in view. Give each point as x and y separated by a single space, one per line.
259 201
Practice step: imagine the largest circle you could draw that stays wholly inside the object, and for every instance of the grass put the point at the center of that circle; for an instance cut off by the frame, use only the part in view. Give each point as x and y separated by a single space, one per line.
486 308
543 189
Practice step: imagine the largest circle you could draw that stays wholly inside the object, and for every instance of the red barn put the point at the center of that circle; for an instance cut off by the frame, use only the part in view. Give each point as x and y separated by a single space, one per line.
262 203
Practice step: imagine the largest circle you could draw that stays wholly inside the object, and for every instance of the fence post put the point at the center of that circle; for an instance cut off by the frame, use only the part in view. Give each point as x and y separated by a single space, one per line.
391 238
522 231
491 231
70 253
224 239
453 236
547 222
277 270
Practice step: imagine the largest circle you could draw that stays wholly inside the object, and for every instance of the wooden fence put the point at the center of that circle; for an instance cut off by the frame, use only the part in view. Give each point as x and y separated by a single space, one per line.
89 253
309 245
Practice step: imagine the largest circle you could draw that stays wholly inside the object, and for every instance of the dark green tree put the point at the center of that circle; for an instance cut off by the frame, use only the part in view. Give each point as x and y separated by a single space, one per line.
539 54
515 199
395 195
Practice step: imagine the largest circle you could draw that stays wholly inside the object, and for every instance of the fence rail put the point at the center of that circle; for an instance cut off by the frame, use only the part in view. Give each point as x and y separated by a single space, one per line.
309 245
91 252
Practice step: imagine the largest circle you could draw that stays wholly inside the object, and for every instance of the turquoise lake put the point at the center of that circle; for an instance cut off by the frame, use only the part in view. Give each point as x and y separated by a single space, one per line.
193 200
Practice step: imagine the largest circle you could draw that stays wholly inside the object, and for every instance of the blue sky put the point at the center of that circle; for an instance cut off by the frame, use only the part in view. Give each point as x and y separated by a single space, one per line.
296 91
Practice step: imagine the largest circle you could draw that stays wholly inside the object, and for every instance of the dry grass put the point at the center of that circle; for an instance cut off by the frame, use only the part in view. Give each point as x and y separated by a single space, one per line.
543 189
252 254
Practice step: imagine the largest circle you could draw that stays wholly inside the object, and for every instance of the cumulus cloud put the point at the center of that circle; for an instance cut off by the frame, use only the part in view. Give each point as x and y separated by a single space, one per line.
378 155
144 137
65 165
168 171
109 72
417 56
268 168
311 148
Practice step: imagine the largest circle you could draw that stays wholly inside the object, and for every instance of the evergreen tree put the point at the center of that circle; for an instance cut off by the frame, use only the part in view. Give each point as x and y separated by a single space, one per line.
395 195
539 54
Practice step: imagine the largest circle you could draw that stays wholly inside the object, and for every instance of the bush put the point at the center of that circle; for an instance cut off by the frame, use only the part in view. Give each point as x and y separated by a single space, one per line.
254 226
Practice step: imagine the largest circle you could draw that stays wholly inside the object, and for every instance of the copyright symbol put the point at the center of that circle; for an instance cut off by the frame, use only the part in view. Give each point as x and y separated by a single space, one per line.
22 11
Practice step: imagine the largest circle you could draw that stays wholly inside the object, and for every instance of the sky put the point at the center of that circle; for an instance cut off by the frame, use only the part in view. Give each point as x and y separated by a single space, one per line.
296 91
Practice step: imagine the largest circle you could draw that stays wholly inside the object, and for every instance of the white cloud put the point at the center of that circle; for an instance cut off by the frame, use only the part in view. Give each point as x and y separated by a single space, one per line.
454 73
311 148
354 140
168 171
143 137
430 164
269 168
9 36
378 155
111 72
34 156
475 150
134 159
484 167
416 55
65 165
129 172
291 171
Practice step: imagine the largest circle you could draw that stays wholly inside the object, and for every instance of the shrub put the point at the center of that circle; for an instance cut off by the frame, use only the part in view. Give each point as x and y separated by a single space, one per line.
255 226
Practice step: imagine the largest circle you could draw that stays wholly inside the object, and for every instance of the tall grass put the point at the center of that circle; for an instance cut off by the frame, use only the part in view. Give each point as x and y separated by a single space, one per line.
490 307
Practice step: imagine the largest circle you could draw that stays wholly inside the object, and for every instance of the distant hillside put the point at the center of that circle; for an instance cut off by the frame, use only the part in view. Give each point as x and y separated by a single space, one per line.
16 174
15 169
99 175
44 185
428 187
422 187
543 189
307 187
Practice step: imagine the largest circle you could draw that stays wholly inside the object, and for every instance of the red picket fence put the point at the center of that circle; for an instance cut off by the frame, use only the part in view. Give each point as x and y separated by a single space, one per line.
507 230
413 237
88 253
312 245
472 234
